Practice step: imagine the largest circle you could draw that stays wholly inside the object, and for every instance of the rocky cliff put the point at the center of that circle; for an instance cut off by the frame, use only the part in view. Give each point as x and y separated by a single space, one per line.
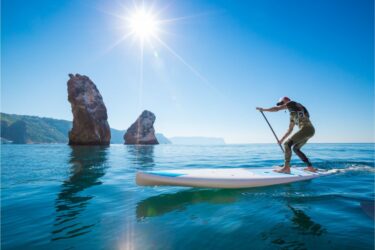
90 125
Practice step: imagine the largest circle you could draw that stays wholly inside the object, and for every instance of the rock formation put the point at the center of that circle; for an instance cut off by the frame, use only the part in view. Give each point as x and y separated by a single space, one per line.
90 126
142 130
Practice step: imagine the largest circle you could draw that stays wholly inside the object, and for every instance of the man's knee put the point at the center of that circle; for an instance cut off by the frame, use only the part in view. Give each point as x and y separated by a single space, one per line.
288 144
296 149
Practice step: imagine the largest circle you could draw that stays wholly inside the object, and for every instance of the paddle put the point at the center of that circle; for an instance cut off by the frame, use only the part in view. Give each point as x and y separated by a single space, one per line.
277 139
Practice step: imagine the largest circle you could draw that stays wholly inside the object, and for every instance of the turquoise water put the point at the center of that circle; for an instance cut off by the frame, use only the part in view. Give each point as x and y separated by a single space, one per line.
62 197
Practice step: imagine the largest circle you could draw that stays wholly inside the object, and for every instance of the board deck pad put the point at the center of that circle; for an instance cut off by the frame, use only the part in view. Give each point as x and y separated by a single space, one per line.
224 177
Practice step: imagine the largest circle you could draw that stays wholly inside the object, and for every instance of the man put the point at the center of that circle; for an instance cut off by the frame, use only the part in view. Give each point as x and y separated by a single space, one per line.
298 116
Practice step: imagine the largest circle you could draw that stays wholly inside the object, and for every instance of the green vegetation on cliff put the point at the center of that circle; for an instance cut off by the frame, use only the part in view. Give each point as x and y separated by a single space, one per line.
24 129
32 129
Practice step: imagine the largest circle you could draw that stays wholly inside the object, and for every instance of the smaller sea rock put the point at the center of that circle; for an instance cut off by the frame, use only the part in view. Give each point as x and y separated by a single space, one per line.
142 130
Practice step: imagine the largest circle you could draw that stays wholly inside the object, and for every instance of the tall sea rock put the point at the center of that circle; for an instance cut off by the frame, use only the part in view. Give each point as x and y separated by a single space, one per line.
90 125
142 130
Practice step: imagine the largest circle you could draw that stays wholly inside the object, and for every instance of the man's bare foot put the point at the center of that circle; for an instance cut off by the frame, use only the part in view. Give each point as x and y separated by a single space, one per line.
284 170
311 169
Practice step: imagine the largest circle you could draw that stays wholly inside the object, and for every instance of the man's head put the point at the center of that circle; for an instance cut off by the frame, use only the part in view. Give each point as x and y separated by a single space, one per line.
283 100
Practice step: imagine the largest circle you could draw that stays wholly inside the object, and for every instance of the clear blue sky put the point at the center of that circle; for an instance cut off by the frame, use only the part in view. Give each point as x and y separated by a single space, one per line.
241 54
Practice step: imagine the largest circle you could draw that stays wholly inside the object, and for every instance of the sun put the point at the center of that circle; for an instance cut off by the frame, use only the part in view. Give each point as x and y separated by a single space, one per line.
143 24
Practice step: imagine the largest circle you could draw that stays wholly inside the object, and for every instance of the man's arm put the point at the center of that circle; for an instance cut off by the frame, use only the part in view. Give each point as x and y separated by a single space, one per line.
290 129
273 109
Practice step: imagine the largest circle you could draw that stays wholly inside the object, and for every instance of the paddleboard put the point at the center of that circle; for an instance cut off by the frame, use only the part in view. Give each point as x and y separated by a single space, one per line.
225 177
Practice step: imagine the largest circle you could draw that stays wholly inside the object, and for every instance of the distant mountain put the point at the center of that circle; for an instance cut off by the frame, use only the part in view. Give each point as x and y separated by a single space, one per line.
5 141
24 129
197 140
162 139
117 137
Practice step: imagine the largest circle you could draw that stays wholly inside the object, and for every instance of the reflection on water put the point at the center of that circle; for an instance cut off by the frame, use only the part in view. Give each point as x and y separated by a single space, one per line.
87 167
369 208
165 203
282 234
298 222
304 223
142 155
72 196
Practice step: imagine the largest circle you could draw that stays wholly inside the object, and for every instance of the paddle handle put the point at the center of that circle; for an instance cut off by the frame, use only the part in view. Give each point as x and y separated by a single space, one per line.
277 139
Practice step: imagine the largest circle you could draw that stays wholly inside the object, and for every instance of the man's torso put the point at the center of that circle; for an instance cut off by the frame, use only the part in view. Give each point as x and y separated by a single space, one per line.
299 114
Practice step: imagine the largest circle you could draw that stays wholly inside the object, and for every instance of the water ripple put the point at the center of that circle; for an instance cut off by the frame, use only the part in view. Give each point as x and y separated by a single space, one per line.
56 196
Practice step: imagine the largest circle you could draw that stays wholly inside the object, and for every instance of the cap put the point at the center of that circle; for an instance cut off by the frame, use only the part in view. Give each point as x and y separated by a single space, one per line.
283 100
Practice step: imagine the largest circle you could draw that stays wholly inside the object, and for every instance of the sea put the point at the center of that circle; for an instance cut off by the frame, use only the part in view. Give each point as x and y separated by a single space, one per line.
55 196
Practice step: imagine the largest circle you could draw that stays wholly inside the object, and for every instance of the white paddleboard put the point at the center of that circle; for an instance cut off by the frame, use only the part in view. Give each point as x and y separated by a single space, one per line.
225 177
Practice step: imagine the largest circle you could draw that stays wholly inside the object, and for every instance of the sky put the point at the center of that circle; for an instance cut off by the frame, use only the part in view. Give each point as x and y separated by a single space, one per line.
205 70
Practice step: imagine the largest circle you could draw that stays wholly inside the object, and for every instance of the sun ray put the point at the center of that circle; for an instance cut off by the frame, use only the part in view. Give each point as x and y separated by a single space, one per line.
142 23
176 19
183 61
118 42
141 77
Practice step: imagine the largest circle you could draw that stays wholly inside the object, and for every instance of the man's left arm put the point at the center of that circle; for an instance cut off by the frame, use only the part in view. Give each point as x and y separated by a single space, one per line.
290 130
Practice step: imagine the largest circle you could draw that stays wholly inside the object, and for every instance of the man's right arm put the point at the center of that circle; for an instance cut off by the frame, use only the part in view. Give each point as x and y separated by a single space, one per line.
273 109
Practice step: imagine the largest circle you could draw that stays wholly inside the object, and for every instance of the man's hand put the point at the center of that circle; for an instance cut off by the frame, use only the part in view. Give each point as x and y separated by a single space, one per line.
260 109
280 141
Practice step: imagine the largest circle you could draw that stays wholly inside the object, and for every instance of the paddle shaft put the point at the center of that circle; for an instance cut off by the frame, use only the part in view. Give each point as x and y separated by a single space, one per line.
277 139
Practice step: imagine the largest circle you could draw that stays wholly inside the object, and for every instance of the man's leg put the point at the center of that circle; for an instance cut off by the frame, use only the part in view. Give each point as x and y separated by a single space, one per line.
301 137
288 155
302 156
